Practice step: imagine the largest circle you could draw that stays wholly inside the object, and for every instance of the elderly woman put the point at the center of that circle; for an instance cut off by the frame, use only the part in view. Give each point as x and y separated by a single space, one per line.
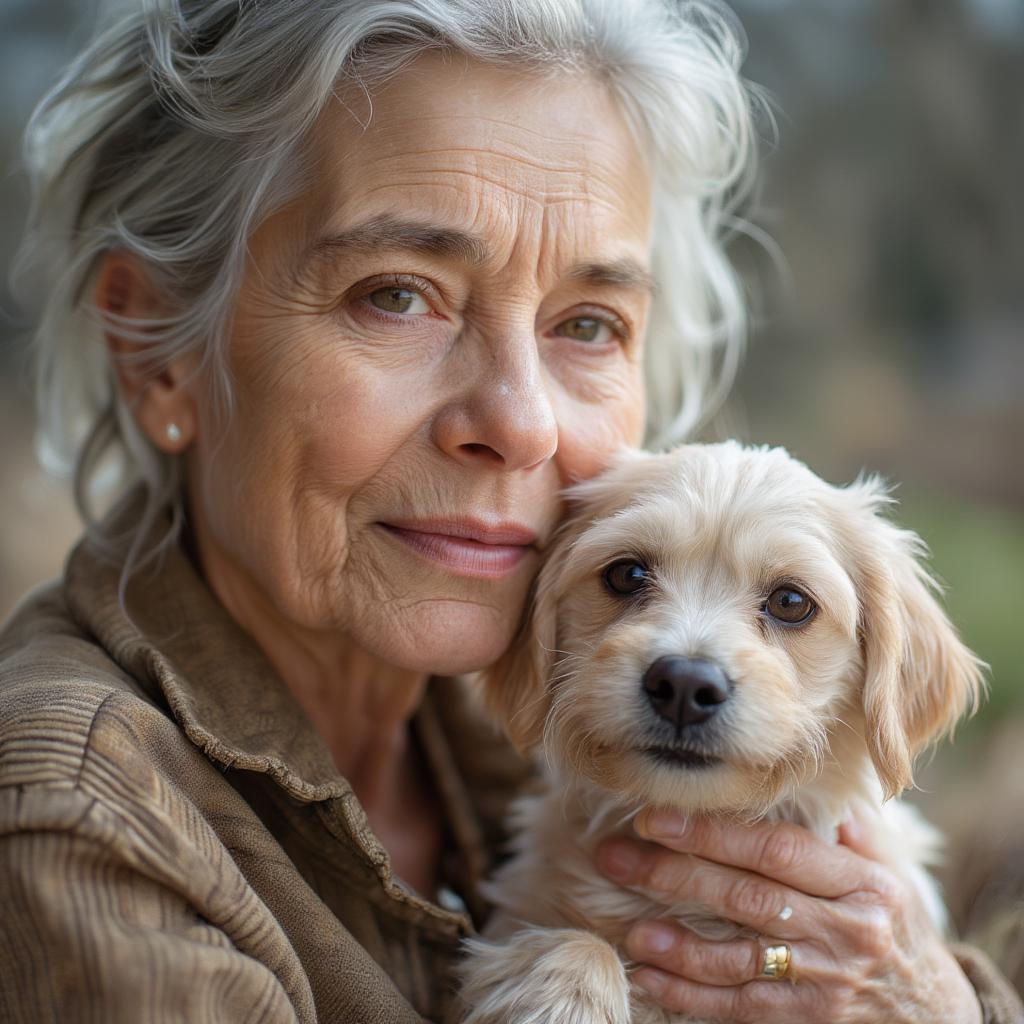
342 295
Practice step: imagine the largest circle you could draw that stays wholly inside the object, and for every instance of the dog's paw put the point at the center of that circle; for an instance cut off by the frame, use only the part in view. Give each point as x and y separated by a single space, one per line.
544 976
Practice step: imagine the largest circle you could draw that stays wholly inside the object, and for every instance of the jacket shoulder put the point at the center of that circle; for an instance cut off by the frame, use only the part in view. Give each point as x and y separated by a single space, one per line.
62 697
110 835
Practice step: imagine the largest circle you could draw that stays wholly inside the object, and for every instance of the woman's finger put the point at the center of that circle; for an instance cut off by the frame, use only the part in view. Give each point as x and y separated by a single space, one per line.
758 1002
727 963
742 896
682 952
779 850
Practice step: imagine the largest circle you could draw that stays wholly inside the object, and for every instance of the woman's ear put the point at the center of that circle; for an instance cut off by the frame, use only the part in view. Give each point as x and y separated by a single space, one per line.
919 678
159 398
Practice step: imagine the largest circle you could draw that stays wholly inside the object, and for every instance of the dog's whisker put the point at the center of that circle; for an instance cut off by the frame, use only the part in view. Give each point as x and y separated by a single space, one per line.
838 720
556 651
529 706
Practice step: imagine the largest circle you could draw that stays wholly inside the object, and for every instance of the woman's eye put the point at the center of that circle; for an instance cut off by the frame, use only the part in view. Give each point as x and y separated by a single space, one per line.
398 300
789 605
586 328
625 577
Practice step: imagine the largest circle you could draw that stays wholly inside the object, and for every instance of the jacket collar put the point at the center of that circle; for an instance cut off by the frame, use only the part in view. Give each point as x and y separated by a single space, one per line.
173 636
175 639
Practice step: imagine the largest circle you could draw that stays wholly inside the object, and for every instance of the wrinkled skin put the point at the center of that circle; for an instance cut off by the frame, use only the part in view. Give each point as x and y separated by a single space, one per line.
864 949
502 378
385 380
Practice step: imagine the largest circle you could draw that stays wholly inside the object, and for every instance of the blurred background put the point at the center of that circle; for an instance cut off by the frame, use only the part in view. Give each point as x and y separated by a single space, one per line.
893 341
895 192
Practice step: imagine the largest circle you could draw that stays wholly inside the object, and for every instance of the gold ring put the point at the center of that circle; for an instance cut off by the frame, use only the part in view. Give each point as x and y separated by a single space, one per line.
776 961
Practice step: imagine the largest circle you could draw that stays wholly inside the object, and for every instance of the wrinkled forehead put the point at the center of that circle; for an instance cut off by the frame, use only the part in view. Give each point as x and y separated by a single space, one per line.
491 150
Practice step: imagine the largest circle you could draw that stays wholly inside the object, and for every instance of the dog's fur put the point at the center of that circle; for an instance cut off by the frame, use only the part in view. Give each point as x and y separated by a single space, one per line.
821 716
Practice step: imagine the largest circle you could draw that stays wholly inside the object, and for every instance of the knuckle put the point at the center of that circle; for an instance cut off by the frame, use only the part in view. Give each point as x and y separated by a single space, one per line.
667 993
688 957
752 900
664 873
747 1004
886 887
700 958
675 998
780 851
701 833
875 936
845 1000
829 1004
841 1002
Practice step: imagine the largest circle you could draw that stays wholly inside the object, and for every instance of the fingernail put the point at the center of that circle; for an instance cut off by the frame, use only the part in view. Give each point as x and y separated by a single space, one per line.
664 823
619 859
651 981
651 937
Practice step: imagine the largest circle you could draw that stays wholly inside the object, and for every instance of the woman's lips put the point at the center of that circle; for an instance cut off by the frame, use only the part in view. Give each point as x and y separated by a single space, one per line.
464 555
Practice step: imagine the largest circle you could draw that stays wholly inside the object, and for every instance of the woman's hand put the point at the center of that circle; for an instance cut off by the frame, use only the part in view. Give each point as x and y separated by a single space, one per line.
863 948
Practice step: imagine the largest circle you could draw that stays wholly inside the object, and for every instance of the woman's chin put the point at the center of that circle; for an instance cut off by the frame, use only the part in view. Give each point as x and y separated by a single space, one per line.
444 637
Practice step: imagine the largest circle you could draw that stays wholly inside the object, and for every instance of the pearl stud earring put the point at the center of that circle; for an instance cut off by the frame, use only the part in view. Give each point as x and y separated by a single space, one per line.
173 433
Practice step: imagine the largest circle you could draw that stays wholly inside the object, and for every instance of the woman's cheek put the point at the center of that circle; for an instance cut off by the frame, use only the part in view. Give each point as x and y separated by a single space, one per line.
591 432
353 432
341 398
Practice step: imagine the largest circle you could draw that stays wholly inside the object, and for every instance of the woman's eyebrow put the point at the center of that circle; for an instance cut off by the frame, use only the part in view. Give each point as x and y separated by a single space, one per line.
624 272
392 233
388 232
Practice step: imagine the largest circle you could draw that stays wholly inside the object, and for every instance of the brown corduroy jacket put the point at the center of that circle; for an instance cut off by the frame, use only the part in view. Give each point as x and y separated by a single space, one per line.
175 841
177 845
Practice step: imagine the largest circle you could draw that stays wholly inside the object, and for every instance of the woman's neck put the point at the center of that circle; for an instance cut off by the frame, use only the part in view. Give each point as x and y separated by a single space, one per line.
359 704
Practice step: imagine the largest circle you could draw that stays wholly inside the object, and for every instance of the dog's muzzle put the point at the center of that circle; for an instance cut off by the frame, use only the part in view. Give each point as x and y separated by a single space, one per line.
685 691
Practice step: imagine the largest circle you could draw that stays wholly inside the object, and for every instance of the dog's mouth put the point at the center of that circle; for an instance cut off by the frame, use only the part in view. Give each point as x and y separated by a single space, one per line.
682 757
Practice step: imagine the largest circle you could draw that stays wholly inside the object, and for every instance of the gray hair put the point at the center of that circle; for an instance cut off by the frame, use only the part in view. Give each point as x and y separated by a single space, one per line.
181 128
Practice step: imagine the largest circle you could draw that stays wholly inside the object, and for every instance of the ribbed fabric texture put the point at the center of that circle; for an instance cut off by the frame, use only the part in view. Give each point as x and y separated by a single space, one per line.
1000 1003
175 842
177 846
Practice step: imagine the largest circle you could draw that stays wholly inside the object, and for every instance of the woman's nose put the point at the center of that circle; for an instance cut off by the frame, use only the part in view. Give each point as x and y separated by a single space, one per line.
502 413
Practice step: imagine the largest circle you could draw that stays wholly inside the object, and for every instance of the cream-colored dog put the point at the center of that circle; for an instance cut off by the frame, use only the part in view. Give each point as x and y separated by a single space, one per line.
717 630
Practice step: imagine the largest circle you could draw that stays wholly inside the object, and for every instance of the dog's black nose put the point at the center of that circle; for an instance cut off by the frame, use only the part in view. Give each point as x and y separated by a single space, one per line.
686 691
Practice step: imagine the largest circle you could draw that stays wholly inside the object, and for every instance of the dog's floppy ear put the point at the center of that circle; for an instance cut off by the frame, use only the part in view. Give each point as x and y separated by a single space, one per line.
919 678
516 687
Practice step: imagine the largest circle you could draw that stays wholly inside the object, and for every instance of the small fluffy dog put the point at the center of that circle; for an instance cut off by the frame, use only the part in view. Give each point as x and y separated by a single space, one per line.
714 629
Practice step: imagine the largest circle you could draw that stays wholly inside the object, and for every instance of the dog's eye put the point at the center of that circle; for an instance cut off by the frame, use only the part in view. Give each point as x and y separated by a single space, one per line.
626 576
789 605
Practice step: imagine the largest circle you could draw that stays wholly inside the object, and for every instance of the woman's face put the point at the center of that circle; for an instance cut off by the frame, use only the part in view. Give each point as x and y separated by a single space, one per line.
440 334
